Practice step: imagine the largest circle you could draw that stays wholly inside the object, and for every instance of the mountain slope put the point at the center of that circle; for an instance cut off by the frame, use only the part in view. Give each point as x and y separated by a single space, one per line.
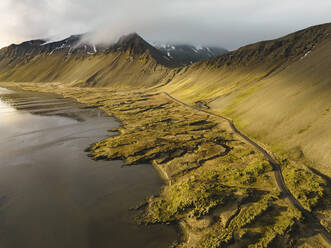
278 91
188 54
131 62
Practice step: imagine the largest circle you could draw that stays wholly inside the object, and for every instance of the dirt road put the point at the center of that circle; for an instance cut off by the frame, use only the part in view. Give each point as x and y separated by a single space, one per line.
314 221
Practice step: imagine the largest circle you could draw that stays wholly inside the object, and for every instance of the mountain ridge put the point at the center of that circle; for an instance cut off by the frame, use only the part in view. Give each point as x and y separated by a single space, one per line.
62 60
75 44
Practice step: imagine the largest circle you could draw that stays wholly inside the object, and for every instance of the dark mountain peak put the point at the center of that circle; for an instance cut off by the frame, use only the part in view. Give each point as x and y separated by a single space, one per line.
21 50
75 37
130 38
31 43
187 53
72 40
29 49
132 42
136 45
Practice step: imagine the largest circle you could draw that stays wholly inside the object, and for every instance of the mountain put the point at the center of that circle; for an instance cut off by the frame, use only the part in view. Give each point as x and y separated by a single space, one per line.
277 91
130 62
188 54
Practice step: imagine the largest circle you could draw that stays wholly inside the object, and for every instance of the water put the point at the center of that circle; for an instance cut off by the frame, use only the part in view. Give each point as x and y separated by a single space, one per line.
52 194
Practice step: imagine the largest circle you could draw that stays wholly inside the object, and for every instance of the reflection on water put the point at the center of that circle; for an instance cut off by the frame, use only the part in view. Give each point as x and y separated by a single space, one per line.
22 122
5 108
5 91
53 195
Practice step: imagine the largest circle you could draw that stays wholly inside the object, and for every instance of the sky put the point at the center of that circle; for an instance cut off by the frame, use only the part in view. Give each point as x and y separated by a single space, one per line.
224 23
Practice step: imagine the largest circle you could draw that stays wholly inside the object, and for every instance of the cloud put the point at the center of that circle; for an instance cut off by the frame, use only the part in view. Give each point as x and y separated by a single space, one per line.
214 22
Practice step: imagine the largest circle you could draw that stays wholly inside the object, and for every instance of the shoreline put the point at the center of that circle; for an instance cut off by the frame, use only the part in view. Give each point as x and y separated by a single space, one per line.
97 190
163 175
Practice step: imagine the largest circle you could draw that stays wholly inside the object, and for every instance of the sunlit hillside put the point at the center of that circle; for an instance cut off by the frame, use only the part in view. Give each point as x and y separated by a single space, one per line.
277 91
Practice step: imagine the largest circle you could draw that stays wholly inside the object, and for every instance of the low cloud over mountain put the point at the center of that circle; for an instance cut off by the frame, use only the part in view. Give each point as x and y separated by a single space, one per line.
215 22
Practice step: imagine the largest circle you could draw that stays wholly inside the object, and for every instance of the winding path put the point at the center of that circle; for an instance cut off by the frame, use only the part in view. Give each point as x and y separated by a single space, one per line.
315 223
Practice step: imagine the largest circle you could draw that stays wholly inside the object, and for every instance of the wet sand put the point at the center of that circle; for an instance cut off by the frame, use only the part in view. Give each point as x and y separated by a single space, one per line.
52 194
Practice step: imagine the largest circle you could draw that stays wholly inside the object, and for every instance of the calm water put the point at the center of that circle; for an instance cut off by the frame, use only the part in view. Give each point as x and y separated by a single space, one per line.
52 194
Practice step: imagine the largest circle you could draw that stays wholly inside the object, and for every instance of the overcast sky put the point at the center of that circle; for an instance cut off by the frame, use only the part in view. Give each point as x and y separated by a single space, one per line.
226 23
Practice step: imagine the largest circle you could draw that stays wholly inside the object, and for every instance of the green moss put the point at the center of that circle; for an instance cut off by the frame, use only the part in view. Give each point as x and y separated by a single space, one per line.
191 197
220 237
306 186
282 225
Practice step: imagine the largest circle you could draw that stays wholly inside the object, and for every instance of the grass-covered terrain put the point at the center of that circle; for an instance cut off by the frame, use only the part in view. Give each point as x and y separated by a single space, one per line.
277 91
219 189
